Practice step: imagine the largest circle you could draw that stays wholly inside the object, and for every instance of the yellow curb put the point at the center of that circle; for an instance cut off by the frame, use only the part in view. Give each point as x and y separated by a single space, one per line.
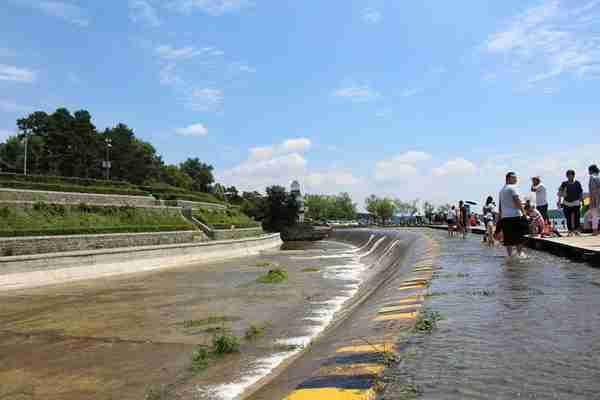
366 348
397 308
409 299
394 317
332 394
411 287
352 369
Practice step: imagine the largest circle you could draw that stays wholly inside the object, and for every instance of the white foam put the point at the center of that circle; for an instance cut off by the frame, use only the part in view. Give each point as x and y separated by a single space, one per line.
365 245
352 271
375 246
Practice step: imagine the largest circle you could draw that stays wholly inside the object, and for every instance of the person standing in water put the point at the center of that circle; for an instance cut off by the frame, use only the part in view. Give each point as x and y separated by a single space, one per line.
489 217
570 196
451 221
512 216
463 211
594 186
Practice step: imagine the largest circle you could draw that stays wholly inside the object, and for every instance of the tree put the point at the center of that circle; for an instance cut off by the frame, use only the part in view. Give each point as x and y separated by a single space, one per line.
383 208
281 209
408 207
428 210
172 175
325 207
200 173
254 205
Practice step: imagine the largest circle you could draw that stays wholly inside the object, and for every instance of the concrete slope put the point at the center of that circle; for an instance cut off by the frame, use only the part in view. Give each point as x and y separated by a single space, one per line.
347 360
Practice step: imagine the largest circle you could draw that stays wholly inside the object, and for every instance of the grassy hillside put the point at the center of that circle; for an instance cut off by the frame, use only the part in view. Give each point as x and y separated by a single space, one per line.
53 219
224 219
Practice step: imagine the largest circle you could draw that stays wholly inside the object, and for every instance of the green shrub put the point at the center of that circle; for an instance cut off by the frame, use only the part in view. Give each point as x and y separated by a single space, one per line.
60 187
255 331
200 358
57 219
224 219
6 176
273 276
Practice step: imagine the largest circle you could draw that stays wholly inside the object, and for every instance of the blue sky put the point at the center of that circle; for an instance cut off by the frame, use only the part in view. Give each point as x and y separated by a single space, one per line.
429 99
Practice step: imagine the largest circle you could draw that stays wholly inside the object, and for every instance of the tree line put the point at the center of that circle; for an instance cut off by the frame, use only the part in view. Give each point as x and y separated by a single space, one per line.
68 144
384 208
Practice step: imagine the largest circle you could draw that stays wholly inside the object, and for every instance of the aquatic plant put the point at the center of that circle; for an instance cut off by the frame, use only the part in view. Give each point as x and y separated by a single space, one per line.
255 331
427 321
213 319
225 343
200 358
264 264
273 276
408 391
311 269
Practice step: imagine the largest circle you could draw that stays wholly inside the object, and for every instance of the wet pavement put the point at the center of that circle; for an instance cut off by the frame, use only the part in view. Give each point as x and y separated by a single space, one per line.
529 329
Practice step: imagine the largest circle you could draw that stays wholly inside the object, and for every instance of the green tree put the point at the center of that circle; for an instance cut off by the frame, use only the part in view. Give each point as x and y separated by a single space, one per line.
407 207
172 175
383 208
428 210
254 205
325 207
281 209
201 174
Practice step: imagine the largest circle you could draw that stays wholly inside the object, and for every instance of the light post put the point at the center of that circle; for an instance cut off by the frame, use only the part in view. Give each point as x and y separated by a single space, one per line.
106 164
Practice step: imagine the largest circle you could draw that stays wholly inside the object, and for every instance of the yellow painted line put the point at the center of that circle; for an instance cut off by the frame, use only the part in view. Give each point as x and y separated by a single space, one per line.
332 394
394 317
352 369
366 348
411 287
397 308
414 282
409 299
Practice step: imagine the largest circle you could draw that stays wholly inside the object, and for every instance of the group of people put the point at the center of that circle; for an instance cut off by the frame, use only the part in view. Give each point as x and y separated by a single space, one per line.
514 218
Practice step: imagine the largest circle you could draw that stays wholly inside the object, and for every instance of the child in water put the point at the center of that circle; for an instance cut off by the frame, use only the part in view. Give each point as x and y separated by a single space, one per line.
536 221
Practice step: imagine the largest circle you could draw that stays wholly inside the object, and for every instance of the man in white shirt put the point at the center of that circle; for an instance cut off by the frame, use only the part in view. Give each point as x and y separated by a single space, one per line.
541 197
513 222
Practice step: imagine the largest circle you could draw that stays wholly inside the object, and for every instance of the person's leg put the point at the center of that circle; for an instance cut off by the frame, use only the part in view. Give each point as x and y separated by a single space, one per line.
544 211
509 251
595 220
576 219
568 211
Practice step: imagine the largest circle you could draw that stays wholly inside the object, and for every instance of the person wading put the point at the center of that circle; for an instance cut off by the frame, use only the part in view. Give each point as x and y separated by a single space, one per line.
463 211
451 221
570 196
594 186
541 196
489 217
512 216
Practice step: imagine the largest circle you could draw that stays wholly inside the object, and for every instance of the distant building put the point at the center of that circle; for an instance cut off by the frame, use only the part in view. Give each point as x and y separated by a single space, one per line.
295 191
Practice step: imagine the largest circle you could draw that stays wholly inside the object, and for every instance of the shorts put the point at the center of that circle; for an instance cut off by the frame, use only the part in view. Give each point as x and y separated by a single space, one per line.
451 222
514 230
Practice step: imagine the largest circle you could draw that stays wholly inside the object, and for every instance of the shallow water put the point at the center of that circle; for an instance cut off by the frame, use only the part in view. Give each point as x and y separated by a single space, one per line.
530 329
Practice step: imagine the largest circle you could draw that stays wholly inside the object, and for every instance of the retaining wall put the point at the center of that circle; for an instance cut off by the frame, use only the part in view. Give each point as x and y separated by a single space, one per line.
75 198
226 234
49 269
55 244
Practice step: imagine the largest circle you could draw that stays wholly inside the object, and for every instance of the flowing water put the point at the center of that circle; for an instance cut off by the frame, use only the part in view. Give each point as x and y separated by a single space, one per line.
529 329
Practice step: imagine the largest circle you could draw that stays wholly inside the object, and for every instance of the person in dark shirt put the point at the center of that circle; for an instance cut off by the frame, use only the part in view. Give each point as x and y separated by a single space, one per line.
570 196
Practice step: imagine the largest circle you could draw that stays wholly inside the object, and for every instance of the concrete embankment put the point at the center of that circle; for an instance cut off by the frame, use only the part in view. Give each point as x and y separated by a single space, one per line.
347 360
19 272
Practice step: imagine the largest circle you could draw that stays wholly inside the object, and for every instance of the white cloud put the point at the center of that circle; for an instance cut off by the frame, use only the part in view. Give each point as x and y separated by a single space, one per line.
10 106
295 145
205 99
210 7
394 171
458 166
411 92
16 74
195 130
333 178
6 52
171 53
60 9
357 93
412 157
168 75
141 11
550 40
371 16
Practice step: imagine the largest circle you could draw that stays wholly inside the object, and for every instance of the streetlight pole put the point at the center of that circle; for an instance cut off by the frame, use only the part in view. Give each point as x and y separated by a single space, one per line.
107 163
26 139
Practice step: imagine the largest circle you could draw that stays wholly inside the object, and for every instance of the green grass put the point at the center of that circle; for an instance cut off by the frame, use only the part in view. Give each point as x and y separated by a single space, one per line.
311 269
225 344
224 219
265 264
56 219
63 180
255 331
62 187
273 276
213 319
